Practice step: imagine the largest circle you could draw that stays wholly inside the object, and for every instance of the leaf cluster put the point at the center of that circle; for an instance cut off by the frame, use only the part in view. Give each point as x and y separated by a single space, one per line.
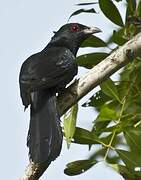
116 131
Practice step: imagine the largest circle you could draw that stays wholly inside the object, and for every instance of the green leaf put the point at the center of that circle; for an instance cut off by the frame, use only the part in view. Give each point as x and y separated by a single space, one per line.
89 60
132 160
117 140
125 121
99 126
131 8
110 129
133 138
94 41
79 167
139 9
82 11
106 114
110 89
83 136
70 124
97 100
118 38
111 11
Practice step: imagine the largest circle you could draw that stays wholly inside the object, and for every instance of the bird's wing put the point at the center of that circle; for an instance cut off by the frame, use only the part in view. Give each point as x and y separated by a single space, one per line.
56 67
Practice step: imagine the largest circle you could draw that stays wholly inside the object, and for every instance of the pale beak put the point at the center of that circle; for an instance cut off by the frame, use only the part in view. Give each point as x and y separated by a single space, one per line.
91 30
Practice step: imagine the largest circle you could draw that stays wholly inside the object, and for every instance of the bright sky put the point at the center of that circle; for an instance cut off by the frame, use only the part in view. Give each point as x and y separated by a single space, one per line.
25 28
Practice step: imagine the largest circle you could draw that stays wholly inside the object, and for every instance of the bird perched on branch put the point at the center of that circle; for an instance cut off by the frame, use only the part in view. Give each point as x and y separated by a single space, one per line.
42 75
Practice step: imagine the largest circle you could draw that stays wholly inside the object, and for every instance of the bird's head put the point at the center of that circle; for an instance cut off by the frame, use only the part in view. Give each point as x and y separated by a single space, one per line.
72 35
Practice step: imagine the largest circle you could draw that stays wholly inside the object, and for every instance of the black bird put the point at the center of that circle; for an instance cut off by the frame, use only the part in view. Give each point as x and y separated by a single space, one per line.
42 75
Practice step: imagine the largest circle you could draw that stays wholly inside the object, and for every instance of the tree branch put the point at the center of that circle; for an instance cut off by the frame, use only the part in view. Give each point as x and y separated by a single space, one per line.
85 84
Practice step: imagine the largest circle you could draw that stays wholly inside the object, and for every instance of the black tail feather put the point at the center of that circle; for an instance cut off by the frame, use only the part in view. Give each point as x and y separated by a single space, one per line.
44 136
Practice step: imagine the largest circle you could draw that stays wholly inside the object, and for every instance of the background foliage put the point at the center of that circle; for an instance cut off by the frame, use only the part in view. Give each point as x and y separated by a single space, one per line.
116 131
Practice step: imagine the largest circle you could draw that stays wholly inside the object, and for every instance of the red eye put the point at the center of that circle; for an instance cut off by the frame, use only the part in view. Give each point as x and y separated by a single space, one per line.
74 28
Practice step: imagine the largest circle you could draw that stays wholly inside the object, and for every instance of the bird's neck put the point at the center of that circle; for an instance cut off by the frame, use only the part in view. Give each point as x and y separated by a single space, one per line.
72 46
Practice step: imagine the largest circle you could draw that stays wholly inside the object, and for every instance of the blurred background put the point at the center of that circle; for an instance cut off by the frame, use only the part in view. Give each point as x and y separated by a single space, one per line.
25 28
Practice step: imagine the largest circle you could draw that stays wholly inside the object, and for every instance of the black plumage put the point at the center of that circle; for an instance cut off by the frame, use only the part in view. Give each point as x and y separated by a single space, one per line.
42 75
